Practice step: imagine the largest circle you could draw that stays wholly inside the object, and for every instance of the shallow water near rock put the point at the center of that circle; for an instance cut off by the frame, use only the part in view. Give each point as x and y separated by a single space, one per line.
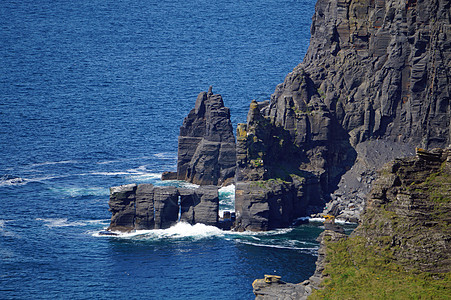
92 96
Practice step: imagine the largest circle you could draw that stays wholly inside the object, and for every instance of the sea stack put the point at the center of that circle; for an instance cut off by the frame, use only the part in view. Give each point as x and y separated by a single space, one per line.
206 144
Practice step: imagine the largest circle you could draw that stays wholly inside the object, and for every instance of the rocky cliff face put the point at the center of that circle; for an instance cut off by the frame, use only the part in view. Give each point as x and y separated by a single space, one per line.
383 68
145 206
206 145
405 229
408 211
375 70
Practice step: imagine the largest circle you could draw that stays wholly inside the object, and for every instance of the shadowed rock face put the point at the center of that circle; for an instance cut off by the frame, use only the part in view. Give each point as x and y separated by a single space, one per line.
146 206
206 146
374 70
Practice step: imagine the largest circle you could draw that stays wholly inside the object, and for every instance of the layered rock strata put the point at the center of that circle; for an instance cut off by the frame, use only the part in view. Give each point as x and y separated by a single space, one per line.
408 211
146 206
406 218
375 70
206 144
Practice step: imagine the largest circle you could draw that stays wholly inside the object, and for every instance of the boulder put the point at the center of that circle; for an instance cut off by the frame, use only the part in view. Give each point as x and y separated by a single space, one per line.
269 204
200 205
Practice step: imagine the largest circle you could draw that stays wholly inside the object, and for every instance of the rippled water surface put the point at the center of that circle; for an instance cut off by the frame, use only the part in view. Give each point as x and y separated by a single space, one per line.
92 95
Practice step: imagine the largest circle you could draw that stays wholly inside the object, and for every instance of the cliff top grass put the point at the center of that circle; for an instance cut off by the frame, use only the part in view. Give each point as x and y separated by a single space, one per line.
357 271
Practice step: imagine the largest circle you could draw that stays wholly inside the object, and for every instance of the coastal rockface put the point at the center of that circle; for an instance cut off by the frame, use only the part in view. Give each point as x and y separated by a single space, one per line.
375 78
146 206
206 144
404 230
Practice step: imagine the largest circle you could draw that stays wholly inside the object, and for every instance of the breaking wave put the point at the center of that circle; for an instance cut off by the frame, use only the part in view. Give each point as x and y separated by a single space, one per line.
227 198
185 231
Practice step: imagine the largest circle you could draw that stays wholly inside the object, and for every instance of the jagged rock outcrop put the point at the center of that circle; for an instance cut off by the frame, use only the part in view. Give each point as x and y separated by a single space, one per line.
146 206
384 68
206 144
271 190
374 70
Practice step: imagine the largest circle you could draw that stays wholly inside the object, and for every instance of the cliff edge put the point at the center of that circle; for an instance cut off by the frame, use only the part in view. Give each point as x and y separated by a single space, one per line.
376 77
401 248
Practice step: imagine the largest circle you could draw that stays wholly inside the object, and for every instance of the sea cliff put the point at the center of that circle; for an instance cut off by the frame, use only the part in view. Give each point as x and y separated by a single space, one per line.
373 85
375 80
401 248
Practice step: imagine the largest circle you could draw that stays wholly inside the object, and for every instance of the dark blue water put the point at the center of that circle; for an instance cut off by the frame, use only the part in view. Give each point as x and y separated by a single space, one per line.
92 95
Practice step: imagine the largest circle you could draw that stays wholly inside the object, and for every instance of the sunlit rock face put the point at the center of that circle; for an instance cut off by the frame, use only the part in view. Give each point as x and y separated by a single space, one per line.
206 145
375 70
145 206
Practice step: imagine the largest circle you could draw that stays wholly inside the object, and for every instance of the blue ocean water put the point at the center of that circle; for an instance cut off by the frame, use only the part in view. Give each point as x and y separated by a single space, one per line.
92 95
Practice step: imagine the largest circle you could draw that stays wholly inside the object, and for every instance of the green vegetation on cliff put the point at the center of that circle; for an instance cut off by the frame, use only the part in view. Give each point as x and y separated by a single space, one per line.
355 270
401 248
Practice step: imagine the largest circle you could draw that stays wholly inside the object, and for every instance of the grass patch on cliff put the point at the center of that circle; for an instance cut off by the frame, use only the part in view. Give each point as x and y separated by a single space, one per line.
357 271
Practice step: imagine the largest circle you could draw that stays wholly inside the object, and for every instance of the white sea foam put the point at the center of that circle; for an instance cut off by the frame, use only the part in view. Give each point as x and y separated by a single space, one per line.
143 176
11 181
311 250
166 155
82 191
181 230
46 163
64 222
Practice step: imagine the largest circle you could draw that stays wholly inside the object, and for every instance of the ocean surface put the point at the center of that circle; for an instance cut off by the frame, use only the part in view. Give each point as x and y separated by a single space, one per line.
92 95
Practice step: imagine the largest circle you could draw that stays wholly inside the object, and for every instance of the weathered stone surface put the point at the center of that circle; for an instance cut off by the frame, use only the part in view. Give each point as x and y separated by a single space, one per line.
383 68
165 206
169 176
206 145
303 152
269 204
145 206
408 210
374 70
122 207
200 205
